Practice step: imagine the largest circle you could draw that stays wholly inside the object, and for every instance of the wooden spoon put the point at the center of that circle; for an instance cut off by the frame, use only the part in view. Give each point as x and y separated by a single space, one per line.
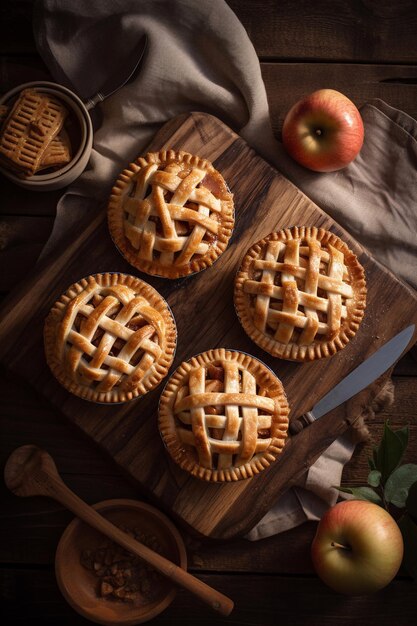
30 471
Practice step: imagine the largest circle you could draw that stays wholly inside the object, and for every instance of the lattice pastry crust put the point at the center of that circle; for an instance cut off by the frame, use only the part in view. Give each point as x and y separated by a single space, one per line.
110 338
170 214
223 416
300 293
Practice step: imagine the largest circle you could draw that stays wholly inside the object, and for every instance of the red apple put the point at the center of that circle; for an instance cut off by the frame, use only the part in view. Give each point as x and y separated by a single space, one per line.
323 131
358 547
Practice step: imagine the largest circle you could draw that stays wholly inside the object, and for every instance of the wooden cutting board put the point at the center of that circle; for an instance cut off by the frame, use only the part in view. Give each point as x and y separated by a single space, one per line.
203 308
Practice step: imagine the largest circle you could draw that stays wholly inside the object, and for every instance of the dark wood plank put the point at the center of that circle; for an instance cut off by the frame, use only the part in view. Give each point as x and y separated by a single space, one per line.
336 30
407 366
326 30
21 242
16 18
234 508
287 82
25 203
30 529
24 68
32 596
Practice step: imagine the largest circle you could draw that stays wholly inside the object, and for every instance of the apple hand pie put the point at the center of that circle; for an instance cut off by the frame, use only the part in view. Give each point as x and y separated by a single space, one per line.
110 338
32 137
300 293
223 416
170 214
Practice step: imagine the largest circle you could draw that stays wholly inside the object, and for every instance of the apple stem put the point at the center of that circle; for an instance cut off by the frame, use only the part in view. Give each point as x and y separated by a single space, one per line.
335 544
318 131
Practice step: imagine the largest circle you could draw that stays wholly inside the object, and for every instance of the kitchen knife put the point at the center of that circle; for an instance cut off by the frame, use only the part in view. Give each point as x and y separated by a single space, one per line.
368 371
114 83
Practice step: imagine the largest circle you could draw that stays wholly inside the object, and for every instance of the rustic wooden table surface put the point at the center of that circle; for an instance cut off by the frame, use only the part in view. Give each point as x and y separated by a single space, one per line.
365 49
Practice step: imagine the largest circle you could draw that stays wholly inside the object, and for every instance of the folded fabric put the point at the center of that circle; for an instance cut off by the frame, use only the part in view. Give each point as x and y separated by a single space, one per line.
317 490
315 494
375 197
199 58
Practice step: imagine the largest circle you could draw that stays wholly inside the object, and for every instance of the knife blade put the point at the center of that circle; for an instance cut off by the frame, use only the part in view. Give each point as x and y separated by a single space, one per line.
112 85
362 376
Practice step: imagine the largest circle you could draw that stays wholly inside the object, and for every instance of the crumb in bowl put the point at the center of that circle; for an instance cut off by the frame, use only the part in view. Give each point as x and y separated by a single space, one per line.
122 575
84 555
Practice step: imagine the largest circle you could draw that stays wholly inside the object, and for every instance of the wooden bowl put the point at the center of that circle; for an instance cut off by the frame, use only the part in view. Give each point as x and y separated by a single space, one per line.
79 585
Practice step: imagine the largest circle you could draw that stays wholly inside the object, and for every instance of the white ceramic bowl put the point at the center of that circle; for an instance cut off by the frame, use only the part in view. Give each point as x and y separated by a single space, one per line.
81 151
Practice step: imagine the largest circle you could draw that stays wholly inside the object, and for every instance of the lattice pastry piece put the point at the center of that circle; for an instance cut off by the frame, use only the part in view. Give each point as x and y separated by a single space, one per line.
223 416
57 153
170 214
300 293
33 122
110 338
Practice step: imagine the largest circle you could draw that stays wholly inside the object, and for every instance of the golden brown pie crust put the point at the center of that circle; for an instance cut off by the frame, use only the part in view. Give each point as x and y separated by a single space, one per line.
300 293
223 416
170 214
110 338
30 127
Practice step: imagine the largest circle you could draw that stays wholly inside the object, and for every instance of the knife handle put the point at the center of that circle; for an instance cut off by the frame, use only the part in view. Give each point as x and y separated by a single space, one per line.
297 425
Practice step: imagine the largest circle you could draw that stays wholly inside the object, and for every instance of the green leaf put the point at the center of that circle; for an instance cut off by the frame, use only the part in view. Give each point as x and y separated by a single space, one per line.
402 434
363 493
374 478
411 503
389 452
375 457
371 464
399 483
409 532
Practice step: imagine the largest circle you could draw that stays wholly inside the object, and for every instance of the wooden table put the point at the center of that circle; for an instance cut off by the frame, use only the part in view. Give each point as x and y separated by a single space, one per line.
365 50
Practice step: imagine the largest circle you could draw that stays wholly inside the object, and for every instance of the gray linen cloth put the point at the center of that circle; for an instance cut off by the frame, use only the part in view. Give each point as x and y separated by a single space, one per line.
199 58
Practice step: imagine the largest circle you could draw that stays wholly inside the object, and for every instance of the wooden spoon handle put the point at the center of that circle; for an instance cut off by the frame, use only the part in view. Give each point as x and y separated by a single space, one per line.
59 491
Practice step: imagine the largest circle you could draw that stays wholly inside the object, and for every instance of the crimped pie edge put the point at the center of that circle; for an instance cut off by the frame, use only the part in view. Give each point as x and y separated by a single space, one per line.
185 459
161 366
115 216
294 352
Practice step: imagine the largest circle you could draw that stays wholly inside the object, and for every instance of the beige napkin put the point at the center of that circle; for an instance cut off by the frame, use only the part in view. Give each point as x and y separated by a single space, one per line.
317 490
314 495
199 58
